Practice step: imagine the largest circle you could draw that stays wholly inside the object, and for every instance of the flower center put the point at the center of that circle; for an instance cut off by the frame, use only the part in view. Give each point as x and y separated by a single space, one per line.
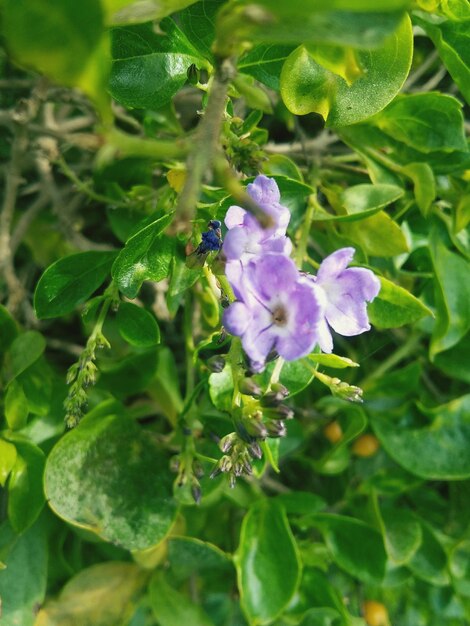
279 316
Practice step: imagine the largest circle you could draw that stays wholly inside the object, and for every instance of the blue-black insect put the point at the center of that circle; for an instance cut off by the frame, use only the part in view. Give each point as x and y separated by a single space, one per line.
211 241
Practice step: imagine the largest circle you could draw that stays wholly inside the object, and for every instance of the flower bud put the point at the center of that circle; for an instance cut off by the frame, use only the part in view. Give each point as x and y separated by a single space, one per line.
281 412
255 428
276 428
226 443
255 450
279 388
216 363
249 387
196 491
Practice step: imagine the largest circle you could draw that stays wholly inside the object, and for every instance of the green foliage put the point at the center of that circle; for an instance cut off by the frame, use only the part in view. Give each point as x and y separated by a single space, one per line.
185 488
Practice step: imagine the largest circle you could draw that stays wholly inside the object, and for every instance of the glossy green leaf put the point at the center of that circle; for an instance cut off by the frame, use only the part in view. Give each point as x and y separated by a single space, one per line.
16 406
70 281
378 235
146 256
131 505
7 460
131 374
135 11
189 556
361 201
172 608
24 351
402 534
264 62
438 451
267 563
459 565
451 39
320 617
23 581
424 184
56 37
356 547
395 306
452 289
137 326
25 491
430 561
307 87
104 594
425 121
221 388
148 67
343 23
197 22
8 329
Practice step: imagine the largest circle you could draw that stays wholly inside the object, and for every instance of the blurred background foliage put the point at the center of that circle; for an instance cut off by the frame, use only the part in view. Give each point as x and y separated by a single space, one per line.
360 513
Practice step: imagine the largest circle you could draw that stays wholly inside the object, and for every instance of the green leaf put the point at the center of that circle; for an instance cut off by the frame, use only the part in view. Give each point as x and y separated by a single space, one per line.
189 556
455 362
451 40
131 374
146 256
103 595
395 306
424 184
25 492
150 68
70 281
402 534
135 11
137 326
172 608
425 121
342 23
459 564
264 62
23 582
438 451
24 351
307 87
131 504
356 547
361 201
7 460
430 561
378 235
221 388
267 562
301 503
332 360
452 290
8 329
197 22
56 37
16 406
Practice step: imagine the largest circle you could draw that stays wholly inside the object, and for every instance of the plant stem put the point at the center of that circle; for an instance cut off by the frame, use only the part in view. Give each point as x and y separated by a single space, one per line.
409 347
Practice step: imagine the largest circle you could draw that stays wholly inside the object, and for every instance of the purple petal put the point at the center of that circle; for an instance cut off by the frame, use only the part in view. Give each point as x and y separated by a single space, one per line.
259 339
325 340
264 190
334 264
271 276
236 242
234 273
236 318
234 216
305 312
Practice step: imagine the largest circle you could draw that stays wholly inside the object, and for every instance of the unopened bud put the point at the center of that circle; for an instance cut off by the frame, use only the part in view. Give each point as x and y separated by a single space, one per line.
249 387
198 470
255 450
281 412
276 428
279 388
216 363
196 491
226 443
272 398
255 428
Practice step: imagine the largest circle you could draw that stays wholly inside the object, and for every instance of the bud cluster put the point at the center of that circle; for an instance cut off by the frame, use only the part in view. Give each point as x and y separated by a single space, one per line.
262 416
189 471
80 376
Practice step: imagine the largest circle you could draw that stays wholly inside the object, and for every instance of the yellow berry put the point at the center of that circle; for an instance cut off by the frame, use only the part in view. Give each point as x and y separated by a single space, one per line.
333 432
366 445
375 613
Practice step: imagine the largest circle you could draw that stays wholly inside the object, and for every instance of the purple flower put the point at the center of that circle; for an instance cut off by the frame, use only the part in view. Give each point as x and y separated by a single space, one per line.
343 293
276 309
246 238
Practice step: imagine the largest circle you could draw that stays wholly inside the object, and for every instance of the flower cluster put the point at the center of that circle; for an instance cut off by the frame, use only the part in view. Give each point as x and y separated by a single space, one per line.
279 308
